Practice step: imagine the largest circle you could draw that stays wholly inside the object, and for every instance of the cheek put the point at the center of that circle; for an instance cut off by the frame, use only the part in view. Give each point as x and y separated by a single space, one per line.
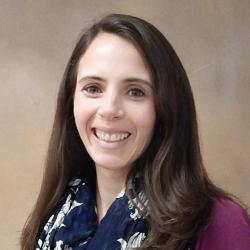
144 121
82 113
77 113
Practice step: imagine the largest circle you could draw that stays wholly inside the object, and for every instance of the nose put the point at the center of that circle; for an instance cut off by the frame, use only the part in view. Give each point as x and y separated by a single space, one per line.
111 107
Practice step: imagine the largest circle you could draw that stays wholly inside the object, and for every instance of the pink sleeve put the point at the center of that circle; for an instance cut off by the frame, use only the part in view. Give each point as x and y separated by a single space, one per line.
229 228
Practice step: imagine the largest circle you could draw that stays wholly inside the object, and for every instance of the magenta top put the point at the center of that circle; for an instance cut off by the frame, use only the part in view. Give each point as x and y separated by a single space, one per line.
229 228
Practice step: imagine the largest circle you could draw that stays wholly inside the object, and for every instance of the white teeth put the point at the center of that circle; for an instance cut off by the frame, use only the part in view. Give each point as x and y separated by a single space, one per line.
111 137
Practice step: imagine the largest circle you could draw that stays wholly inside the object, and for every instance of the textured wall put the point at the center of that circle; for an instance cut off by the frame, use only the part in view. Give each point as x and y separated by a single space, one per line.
212 39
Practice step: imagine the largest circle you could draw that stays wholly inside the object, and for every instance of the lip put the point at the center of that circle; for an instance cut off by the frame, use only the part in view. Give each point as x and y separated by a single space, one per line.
110 145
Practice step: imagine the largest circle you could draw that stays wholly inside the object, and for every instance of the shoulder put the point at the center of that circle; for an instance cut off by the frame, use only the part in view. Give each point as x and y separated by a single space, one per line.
228 228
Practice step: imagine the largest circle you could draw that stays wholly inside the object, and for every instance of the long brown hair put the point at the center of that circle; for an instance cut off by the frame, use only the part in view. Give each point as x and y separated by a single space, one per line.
179 192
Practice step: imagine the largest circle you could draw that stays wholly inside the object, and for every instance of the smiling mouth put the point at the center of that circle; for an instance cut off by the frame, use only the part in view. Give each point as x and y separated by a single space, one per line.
110 137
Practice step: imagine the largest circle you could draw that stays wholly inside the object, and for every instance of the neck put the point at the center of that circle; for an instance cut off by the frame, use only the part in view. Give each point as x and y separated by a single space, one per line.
109 184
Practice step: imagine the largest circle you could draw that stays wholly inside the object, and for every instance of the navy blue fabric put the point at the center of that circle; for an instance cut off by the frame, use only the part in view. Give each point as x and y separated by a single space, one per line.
73 225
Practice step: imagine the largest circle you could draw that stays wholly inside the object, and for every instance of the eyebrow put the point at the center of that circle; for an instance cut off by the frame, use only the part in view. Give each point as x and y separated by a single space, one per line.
126 80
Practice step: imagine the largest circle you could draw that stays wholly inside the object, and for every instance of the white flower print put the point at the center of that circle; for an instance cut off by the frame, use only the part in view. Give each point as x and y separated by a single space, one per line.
134 241
74 204
139 204
66 208
59 245
60 217
75 182
39 244
49 224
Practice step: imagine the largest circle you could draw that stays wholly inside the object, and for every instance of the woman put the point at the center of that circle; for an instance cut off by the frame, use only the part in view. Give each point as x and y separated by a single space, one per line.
124 168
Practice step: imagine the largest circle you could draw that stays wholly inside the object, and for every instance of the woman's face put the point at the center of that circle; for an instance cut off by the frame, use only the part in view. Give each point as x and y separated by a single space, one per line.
113 103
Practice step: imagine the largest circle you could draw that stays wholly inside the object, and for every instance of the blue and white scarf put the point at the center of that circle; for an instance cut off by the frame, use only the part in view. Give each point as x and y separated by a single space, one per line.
73 225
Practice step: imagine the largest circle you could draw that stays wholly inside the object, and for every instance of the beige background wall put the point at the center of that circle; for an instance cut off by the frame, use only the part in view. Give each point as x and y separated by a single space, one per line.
36 38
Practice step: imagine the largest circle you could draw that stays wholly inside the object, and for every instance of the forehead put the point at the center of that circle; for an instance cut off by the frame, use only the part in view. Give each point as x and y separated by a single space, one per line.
105 43
114 52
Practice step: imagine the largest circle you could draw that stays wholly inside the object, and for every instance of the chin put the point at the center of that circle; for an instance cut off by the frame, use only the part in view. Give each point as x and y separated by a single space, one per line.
112 164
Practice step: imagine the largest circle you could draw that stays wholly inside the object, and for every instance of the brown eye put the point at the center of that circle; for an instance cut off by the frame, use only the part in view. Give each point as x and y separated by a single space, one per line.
92 90
135 92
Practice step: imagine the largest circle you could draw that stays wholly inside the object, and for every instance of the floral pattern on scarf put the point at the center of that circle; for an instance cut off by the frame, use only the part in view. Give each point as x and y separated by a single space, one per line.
73 225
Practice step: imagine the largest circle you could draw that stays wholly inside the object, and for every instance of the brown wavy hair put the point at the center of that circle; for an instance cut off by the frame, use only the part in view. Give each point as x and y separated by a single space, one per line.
179 192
